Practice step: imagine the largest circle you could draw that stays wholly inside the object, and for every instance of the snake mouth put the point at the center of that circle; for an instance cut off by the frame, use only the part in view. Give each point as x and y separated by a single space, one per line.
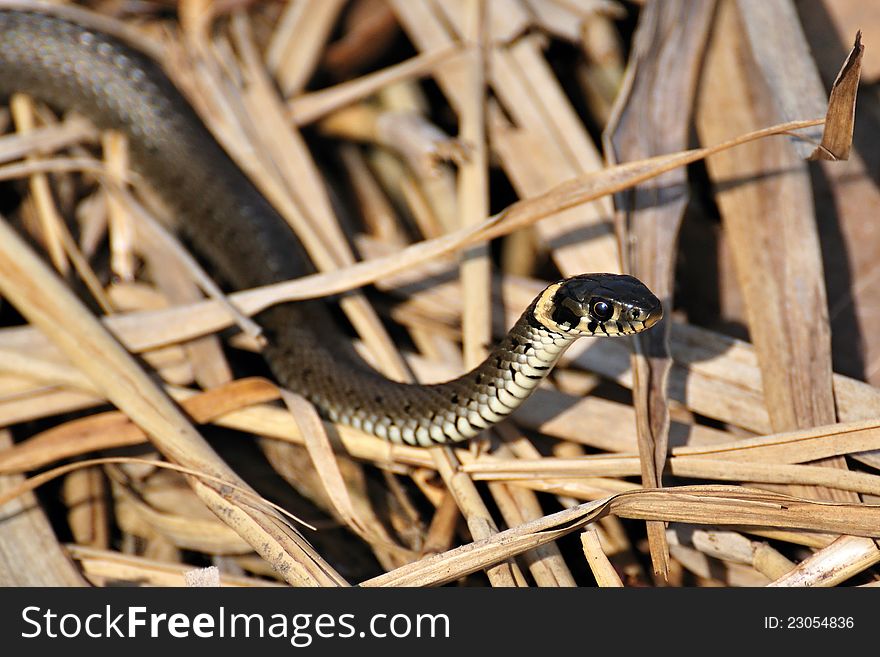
654 316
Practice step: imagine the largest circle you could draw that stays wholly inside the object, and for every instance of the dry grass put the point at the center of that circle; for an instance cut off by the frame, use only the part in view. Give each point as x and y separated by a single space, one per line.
736 444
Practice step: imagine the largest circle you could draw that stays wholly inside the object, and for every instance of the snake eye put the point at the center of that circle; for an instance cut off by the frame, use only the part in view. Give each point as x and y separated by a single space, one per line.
602 310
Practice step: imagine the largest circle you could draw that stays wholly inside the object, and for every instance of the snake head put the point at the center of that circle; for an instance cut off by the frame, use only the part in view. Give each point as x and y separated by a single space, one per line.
598 304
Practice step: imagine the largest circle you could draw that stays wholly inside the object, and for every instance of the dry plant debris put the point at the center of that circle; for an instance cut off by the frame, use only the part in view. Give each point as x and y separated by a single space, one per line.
440 161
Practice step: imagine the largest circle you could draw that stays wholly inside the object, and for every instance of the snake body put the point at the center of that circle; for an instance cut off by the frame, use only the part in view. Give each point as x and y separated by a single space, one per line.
231 224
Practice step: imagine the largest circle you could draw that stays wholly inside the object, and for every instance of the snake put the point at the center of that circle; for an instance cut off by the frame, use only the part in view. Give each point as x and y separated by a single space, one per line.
231 225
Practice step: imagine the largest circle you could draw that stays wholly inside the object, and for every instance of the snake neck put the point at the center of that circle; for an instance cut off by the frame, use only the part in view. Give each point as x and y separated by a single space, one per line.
456 410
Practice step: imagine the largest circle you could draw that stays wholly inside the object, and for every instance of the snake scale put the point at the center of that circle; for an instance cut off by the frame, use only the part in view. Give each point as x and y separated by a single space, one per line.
248 243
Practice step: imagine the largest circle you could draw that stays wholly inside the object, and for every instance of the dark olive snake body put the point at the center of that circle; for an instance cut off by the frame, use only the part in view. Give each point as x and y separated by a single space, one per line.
249 244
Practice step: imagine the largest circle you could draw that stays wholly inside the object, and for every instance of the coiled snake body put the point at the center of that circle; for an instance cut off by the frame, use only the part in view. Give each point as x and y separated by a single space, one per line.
249 244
